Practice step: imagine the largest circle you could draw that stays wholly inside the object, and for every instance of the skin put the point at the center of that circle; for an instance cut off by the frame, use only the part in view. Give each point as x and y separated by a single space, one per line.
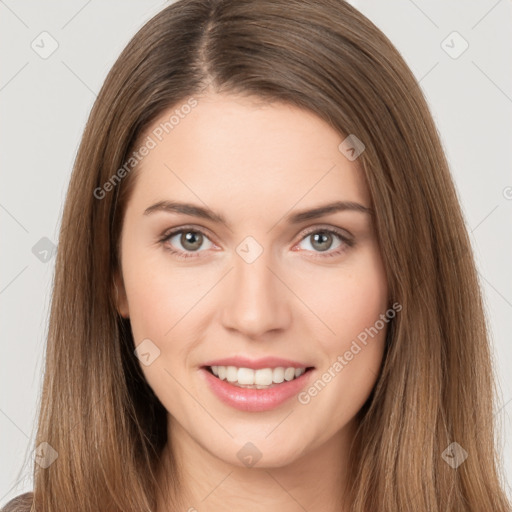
254 163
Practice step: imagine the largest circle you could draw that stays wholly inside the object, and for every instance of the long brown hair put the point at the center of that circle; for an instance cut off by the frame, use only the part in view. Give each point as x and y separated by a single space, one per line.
436 383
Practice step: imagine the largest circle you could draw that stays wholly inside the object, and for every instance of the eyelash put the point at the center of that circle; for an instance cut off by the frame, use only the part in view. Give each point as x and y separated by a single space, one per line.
347 242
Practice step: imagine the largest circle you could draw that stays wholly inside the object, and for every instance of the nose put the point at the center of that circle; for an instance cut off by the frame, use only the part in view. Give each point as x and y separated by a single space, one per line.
256 298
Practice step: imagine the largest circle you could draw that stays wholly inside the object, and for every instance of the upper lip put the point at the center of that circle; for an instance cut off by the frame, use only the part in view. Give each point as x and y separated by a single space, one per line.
256 364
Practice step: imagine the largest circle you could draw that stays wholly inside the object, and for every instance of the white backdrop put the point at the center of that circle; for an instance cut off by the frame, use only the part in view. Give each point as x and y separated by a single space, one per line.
54 58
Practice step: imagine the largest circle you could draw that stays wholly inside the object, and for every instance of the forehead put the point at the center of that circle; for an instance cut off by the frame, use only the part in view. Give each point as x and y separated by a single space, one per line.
236 150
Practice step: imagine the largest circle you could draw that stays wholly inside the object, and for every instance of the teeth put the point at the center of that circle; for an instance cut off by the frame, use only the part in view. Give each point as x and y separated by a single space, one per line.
289 373
278 375
231 374
262 378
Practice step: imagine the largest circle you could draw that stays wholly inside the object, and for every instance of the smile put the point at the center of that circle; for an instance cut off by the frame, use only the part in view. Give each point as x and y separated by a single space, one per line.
262 378
255 390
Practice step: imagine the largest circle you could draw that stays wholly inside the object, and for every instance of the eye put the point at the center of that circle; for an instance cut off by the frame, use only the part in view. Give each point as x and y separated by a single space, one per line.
322 240
190 239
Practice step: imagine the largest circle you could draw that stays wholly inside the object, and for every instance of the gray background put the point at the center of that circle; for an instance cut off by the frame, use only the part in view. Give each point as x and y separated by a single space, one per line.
45 102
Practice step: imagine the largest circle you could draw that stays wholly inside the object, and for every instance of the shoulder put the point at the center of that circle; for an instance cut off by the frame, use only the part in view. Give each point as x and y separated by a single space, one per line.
21 503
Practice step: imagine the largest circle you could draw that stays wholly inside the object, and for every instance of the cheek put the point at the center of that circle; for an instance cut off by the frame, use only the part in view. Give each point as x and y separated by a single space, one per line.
349 299
160 299
159 294
351 363
350 302
163 305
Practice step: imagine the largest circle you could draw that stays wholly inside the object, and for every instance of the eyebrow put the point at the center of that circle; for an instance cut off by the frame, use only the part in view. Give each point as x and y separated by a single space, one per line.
293 218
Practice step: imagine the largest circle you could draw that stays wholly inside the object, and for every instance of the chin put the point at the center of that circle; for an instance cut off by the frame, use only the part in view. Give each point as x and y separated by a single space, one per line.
258 451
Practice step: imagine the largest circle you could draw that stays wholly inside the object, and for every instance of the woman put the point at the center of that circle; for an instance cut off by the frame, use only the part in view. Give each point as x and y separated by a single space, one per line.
265 295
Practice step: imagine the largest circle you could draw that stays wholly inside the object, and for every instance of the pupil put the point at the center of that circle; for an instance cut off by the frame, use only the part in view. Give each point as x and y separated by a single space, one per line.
191 238
325 236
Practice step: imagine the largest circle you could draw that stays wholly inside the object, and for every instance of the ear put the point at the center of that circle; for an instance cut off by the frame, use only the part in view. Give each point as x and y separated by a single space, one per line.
120 296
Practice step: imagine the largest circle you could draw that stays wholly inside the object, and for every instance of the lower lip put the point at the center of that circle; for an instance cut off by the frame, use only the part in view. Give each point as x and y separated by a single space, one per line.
255 400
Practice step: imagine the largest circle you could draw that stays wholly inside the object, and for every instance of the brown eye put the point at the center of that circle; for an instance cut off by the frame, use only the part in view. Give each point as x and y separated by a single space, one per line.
191 240
322 240
329 241
184 242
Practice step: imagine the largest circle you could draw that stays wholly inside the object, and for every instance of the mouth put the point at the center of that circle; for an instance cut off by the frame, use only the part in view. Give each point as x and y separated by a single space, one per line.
262 378
256 390
256 385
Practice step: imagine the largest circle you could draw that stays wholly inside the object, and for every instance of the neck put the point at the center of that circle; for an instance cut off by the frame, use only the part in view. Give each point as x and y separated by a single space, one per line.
313 481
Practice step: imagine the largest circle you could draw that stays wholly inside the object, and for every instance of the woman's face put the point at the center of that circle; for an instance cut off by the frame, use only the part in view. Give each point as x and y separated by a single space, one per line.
268 287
